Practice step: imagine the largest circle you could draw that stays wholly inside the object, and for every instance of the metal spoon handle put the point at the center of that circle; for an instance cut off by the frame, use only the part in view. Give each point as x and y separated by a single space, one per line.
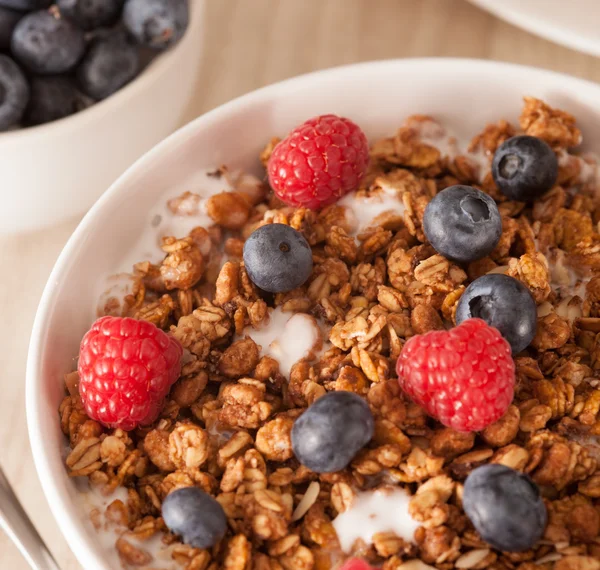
19 528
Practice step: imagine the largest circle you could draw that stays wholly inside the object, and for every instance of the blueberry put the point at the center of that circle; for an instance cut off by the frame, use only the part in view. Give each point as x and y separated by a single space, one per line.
26 5
524 168
327 436
14 93
91 14
277 258
52 98
47 44
195 516
505 507
504 303
462 223
109 64
158 24
8 21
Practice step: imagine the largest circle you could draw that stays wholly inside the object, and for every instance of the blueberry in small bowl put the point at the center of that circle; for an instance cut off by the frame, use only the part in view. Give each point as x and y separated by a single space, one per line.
91 14
157 24
45 44
110 63
15 90
9 19
26 5
52 98
80 104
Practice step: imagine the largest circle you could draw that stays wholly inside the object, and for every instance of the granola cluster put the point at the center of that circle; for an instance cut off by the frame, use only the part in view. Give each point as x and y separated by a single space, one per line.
226 424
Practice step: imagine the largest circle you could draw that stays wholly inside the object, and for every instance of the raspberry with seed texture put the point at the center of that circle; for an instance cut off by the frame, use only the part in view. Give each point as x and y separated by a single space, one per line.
356 564
126 368
464 377
319 162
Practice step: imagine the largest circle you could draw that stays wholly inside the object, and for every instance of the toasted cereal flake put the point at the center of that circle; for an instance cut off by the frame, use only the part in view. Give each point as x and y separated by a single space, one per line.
471 558
414 565
552 557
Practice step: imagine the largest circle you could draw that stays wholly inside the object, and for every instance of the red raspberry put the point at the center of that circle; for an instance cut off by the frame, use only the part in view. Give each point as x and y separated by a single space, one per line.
356 564
126 368
319 162
464 377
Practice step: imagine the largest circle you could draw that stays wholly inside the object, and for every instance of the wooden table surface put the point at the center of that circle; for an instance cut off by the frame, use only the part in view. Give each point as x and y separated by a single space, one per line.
248 44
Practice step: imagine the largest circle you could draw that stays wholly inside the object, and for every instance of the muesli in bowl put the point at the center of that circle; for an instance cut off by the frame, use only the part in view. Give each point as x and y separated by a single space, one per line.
385 356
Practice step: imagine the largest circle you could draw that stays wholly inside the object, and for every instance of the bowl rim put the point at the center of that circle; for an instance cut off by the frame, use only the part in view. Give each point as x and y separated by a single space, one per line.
149 75
549 30
57 498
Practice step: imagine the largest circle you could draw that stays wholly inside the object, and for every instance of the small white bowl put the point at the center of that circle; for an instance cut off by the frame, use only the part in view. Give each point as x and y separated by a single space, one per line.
463 94
56 171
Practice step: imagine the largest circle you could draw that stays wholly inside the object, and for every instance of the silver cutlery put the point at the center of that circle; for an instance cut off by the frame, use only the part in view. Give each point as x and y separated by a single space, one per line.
17 525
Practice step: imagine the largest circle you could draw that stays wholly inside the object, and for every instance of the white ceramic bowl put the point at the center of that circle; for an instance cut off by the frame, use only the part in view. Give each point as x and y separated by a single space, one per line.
56 171
464 94
566 23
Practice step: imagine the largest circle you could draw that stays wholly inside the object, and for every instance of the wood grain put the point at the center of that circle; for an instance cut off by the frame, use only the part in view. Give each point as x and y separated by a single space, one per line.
248 44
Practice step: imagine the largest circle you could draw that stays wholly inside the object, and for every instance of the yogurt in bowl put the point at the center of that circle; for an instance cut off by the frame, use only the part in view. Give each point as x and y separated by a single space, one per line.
225 427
